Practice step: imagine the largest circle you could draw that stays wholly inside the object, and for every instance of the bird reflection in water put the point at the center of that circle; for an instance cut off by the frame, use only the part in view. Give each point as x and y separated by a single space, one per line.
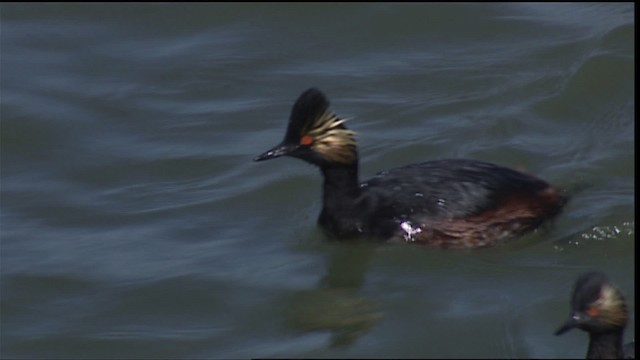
336 306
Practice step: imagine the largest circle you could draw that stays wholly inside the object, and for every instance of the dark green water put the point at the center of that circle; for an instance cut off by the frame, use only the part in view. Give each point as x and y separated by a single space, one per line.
135 225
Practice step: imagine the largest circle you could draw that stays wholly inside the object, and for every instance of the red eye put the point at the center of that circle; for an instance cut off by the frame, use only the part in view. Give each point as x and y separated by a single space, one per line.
593 311
306 140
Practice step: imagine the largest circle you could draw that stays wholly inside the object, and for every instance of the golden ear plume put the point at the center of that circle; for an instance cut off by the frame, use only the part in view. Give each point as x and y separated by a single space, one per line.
612 306
331 139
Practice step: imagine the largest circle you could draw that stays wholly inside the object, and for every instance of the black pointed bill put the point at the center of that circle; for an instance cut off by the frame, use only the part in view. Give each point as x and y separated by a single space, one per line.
279 150
573 322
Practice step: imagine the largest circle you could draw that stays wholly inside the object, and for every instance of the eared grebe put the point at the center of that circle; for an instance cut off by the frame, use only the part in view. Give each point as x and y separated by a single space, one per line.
599 308
453 203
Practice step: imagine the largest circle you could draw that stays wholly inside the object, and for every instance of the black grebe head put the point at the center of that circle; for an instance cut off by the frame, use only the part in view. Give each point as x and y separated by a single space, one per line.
315 134
599 308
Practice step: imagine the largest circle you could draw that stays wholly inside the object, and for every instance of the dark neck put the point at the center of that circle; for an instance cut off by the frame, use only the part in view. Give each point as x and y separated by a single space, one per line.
339 214
605 345
340 183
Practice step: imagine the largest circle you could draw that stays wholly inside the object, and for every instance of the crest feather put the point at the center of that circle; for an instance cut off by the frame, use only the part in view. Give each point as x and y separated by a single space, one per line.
612 306
332 139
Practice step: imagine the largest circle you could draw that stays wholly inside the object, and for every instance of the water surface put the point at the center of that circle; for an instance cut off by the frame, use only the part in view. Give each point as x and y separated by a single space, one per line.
135 225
